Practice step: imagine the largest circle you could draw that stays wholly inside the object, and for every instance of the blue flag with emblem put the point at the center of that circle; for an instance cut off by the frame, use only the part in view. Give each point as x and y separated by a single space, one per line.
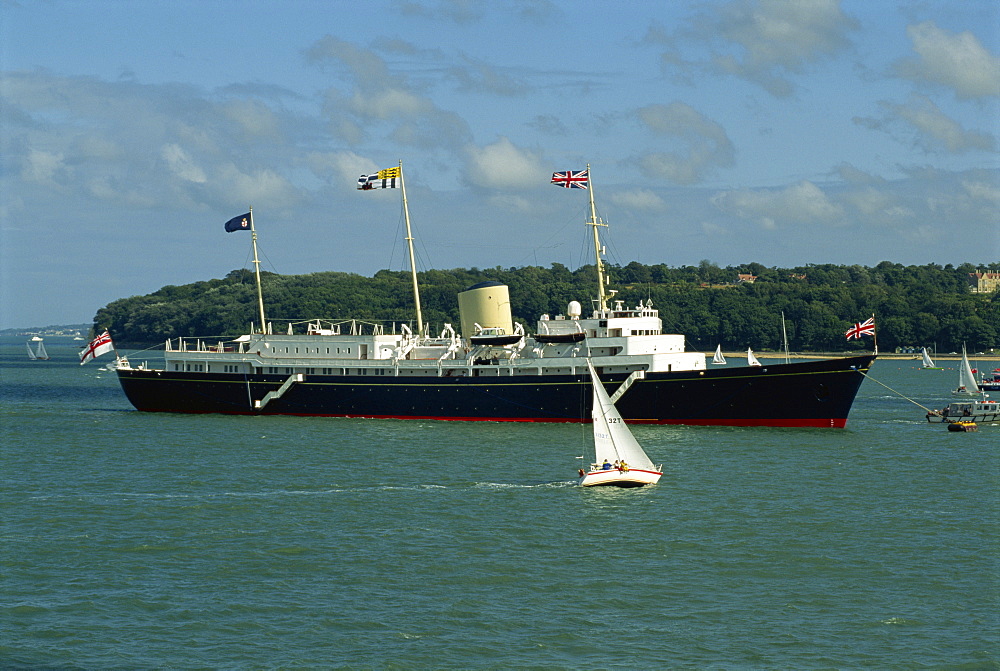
240 223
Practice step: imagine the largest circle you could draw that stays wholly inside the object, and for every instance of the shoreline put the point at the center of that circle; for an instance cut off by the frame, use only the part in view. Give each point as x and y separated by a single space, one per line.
840 355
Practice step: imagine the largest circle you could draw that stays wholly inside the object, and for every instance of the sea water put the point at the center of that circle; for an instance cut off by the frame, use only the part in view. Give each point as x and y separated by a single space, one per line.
138 540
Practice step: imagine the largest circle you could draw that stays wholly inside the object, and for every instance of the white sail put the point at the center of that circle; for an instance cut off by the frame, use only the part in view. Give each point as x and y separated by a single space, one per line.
966 380
40 352
751 359
928 362
718 358
612 439
31 355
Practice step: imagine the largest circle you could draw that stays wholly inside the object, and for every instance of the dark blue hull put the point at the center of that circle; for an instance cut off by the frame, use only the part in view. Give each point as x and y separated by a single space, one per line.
807 394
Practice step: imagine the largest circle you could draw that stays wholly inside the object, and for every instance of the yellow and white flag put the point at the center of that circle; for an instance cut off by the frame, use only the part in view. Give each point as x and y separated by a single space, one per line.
390 178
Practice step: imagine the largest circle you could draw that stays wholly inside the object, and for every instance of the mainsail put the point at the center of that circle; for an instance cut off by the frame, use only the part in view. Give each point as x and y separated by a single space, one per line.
928 362
751 359
718 358
612 439
966 380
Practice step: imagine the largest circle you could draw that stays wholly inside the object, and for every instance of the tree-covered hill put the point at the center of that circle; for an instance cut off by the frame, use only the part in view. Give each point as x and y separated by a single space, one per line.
926 305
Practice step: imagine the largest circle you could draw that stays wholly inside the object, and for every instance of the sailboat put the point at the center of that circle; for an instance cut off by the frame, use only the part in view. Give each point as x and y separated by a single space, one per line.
718 359
967 385
39 352
751 359
619 460
928 362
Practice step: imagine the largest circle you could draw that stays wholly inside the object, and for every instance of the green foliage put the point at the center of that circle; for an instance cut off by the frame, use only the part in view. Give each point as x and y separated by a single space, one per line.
914 305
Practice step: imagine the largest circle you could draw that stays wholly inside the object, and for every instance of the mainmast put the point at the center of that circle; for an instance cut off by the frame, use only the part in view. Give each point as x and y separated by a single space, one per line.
256 265
409 243
601 295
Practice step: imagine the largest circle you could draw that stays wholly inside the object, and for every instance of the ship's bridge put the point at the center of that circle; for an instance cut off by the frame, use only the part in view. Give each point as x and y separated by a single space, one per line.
642 320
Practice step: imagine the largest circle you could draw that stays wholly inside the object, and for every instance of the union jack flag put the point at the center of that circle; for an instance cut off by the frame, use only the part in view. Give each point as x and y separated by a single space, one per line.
866 327
572 180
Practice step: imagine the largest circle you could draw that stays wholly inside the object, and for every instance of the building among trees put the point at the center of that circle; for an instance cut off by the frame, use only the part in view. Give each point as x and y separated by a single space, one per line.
984 283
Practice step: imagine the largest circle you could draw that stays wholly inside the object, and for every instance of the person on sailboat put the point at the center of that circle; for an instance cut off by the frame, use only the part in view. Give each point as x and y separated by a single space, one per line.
606 466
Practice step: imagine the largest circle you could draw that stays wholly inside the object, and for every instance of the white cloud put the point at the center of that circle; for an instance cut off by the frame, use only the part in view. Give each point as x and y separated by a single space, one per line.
41 166
369 70
502 165
181 164
119 192
478 77
983 191
876 206
388 103
341 167
509 202
958 61
934 130
765 40
638 199
382 103
853 175
707 145
932 123
253 117
869 201
259 186
800 204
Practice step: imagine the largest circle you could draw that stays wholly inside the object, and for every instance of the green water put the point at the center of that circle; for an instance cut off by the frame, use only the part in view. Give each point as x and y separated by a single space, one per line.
134 540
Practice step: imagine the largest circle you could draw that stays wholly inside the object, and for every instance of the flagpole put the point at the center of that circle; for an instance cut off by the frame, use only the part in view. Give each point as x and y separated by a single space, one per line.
875 334
602 297
256 265
784 335
409 242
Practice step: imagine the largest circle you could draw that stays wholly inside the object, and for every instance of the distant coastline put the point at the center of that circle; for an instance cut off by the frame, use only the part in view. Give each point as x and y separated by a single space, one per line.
994 356
53 330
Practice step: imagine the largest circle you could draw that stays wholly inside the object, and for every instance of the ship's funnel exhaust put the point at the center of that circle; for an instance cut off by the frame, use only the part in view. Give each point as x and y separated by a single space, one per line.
486 304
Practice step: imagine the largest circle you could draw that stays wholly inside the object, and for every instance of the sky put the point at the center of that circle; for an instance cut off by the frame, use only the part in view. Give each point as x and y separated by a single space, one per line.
784 133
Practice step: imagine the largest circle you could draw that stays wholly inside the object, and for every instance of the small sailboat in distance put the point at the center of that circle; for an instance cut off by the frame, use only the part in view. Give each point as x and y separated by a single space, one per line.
39 352
619 460
751 359
967 385
718 359
928 363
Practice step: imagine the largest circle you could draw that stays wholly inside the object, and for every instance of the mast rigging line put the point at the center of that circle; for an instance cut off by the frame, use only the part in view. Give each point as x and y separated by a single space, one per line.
901 395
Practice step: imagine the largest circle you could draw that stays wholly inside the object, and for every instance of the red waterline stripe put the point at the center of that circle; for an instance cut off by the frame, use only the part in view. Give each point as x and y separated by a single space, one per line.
778 423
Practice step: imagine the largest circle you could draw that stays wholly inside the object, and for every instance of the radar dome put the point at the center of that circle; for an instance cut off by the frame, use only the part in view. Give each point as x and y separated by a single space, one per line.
574 310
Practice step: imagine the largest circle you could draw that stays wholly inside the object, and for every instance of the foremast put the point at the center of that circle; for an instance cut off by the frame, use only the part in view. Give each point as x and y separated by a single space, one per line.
256 266
602 296
409 244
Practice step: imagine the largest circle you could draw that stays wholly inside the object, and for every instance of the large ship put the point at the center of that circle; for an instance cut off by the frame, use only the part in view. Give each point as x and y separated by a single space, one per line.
495 372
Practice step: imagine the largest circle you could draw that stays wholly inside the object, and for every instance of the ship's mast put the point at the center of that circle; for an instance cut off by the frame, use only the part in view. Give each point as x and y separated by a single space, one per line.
409 243
601 295
256 265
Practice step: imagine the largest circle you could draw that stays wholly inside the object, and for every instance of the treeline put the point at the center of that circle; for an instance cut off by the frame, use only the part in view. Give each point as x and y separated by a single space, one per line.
926 305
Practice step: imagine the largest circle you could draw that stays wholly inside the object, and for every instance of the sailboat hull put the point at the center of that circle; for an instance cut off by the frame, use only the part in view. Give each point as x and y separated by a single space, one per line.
633 477
806 394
